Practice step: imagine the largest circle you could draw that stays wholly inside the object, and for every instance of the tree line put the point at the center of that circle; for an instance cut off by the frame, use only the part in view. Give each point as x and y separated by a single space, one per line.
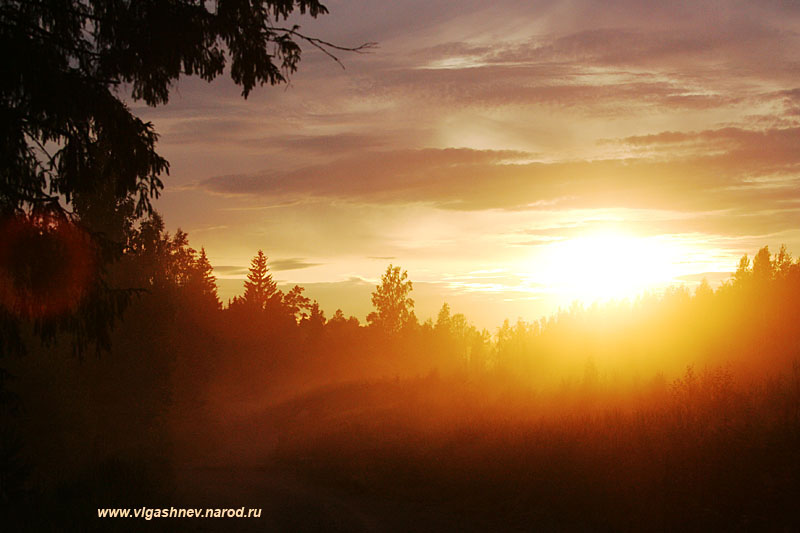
178 365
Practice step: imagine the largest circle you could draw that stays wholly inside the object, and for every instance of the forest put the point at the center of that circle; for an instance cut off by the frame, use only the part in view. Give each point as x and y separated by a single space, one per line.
674 410
127 384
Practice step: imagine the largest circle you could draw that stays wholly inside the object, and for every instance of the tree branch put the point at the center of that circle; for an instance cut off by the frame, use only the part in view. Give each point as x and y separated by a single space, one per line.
325 46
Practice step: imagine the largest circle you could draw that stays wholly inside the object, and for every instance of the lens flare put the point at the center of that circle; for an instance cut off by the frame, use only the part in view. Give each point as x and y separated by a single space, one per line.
46 266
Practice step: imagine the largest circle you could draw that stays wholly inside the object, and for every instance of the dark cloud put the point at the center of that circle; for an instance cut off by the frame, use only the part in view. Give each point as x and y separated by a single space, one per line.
723 169
751 152
392 176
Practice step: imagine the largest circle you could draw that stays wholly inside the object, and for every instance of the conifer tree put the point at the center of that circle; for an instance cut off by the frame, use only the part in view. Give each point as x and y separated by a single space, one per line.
259 287
203 280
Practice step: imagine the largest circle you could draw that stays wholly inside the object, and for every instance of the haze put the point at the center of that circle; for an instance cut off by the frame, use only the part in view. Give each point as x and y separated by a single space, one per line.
484 148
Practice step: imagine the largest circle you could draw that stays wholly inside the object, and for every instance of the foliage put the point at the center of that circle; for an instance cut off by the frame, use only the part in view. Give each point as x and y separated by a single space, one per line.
259 288
52 280
66 130
201 277
537 424
68 137
393 306
708 453
262 298
297 304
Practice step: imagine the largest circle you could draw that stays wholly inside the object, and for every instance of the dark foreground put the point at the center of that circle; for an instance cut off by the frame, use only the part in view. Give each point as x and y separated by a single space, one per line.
430 454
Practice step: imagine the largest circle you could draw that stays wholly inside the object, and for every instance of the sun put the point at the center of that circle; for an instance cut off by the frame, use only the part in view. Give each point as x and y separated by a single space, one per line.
610 265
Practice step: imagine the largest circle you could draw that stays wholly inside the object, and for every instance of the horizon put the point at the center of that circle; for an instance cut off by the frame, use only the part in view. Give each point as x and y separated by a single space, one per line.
353 298
520 266
481 148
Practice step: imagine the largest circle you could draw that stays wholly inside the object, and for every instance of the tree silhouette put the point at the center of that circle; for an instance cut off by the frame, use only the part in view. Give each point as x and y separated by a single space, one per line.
201 280
743 271
762 265
50 282
443 318
67 135
259 288
393 307
67 130
296 304
783 262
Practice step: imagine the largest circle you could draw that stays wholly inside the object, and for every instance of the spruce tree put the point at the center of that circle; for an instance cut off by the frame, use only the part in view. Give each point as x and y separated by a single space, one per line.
203 280
259 287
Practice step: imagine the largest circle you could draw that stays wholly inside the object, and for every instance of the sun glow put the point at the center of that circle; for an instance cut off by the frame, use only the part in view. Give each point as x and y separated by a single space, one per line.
605 266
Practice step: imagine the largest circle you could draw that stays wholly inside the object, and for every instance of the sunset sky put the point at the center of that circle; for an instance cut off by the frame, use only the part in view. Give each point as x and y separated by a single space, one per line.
512 156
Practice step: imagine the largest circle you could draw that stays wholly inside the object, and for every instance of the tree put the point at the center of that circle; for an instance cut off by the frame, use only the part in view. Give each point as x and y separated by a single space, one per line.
259 288
743 271
314 319
296 304
443 319
763 267
339 320
52 281
393 307
65 128
704 290
783 262
201 280
68 137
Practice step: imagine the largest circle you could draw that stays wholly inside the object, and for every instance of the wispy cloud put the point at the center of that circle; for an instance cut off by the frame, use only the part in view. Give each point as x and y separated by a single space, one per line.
294 263
679 118
711 170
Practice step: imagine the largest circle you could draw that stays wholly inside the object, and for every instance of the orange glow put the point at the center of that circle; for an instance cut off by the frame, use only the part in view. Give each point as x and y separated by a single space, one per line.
46 266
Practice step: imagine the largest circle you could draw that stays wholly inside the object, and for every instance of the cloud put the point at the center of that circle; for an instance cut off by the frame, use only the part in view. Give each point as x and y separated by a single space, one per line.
547 85
294 263
383 177
701 58
475 127
597 60
708 170
276 265
230 270
724 224
736 151
339 142
741 42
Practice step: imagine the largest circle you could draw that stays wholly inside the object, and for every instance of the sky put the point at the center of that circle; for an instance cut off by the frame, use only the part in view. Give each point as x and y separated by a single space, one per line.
512 156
